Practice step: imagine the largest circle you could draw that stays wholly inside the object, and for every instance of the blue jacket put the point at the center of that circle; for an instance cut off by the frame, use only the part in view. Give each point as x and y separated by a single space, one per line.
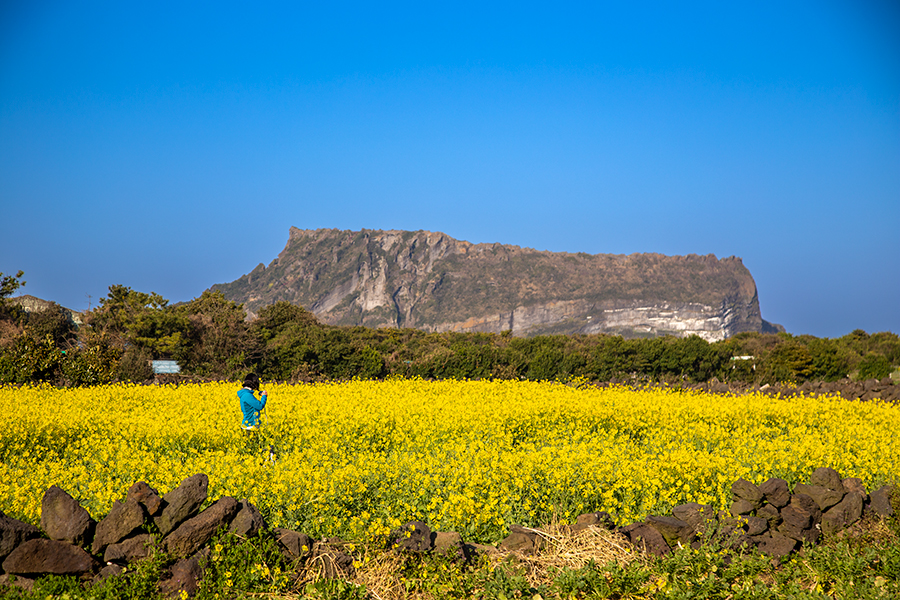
250 406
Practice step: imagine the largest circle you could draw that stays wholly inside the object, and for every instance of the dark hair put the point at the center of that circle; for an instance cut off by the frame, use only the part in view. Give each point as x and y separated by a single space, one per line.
251 381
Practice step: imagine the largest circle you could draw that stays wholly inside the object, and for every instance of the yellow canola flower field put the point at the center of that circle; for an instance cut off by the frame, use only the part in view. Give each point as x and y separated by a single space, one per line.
356 459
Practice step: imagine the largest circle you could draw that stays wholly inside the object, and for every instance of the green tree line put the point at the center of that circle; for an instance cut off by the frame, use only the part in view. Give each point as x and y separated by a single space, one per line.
211 339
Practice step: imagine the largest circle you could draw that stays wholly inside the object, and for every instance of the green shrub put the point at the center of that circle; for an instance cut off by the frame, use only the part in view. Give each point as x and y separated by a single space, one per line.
874 366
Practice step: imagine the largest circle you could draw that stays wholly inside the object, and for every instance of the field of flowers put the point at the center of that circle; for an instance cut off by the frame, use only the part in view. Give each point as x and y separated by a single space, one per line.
356 459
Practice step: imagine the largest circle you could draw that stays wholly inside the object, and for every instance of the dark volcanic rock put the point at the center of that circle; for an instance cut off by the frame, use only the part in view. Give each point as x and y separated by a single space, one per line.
741 507
182 503
770 514
185 575
673 530
129 550
777 545
800 518
825 497
23 583
332 559
827 478
776 492
598 519
108 571
13 532
756 525
794 521
147 496
123 519
248 522
881 501
809 505
698 516
293 543
646 538
414 536
197 531
855 484
744 490
843 514
64 519
449 543
41 556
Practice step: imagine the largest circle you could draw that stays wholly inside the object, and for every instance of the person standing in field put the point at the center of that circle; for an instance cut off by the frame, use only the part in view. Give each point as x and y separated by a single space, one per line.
250 406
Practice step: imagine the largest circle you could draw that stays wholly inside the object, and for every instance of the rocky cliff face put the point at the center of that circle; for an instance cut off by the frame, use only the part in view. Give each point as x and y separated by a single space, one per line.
430 281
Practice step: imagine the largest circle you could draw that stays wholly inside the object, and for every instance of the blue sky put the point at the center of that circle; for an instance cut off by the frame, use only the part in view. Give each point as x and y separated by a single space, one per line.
169 146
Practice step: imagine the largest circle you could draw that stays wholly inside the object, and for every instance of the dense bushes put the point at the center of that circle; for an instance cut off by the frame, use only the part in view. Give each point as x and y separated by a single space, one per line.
211 339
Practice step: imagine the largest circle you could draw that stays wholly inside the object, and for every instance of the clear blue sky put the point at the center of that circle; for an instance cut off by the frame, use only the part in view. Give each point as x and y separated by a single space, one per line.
169 146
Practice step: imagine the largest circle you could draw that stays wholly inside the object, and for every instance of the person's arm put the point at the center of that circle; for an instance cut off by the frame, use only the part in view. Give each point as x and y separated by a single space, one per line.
250 400
264 396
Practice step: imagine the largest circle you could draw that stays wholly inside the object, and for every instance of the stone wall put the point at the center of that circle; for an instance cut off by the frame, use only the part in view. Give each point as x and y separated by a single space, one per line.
766 517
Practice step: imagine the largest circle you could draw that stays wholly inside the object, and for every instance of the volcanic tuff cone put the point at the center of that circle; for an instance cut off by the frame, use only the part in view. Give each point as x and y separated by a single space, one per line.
428 280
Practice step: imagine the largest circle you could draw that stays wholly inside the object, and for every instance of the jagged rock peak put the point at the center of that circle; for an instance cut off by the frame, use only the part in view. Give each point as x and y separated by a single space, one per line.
431 281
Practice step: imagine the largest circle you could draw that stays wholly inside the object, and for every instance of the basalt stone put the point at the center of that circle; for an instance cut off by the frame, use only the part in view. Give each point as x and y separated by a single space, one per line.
414 536
185 576
855 484
795 519
129 550
776 492
776 545
672 529
744 490
646 538
517 541
64 519
294 544
741 507
595 519
42 556
449 543
23 583
825 497
843 514
147 496
770 514
800 520
809 505
827 478
332 559
123 519
110 570
198 531
182 503
880 501
13 532
698 516
248 521
739 541
475 549
756 525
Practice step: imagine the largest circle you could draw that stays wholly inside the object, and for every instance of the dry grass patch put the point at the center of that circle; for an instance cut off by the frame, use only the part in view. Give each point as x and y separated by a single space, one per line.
562 548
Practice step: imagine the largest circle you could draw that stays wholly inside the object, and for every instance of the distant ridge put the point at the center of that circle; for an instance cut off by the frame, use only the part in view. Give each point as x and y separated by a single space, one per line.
428 280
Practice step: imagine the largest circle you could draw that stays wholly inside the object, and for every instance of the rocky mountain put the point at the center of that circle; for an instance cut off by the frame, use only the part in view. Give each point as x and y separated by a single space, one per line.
34 304
428 280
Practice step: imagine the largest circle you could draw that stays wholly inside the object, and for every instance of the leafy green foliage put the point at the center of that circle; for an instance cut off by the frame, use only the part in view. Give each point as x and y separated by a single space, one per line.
874 366
219 341
54 321
789 361
8 286
243 566
128 317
